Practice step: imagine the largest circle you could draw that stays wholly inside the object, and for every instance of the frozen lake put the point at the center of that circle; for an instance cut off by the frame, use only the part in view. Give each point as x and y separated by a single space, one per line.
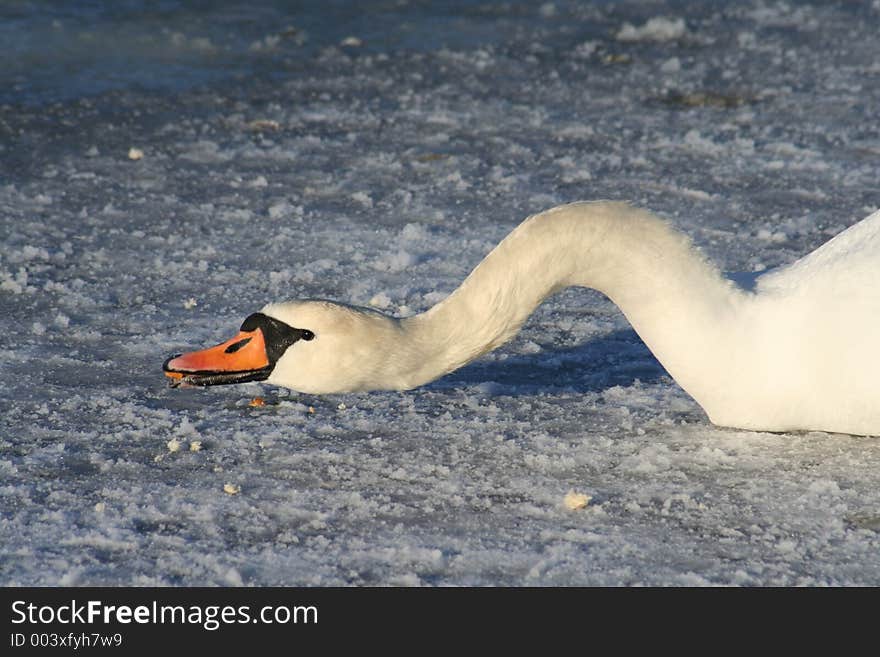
374 156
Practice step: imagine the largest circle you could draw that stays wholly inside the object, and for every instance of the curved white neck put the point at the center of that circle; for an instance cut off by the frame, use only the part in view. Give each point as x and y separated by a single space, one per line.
680 305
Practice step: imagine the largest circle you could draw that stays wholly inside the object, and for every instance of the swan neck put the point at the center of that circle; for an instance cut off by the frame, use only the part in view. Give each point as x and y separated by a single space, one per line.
675 300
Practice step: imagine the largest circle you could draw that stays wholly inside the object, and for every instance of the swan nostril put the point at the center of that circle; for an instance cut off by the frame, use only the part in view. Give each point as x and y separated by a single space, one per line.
235 346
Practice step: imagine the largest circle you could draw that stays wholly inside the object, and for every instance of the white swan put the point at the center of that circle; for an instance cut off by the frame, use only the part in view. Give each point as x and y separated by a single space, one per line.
798 352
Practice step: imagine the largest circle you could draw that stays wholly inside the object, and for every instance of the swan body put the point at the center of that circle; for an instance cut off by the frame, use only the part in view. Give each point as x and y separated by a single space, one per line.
799 351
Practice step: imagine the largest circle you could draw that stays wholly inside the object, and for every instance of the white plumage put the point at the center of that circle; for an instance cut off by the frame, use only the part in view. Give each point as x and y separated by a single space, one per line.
799 351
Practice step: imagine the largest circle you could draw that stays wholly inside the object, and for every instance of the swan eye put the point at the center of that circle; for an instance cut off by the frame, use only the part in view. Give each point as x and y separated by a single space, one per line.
307 335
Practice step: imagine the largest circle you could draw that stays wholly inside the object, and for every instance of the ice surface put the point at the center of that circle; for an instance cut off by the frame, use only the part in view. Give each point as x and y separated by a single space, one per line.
282 163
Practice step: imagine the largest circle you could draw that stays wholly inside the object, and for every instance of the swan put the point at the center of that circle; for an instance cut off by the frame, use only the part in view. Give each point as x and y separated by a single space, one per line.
797 351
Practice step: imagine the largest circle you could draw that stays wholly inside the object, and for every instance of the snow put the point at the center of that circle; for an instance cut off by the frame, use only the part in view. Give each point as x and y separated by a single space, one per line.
655 29
277 163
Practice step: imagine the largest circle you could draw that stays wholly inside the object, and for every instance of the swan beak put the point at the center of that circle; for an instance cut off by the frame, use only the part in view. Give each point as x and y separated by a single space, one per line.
241 359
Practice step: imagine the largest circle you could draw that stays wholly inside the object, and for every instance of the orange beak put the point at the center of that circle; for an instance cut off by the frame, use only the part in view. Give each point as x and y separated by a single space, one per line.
243 358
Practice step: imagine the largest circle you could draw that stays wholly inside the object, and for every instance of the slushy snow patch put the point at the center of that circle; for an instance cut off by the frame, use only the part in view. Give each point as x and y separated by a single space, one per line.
363 198
380 300
395 262
656 29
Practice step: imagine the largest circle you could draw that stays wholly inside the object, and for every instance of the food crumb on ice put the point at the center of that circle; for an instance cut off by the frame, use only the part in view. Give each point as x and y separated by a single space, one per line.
264 125
574 500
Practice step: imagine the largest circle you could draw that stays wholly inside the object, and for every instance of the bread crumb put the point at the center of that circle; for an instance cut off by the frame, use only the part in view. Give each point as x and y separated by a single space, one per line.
195 446
311 409
575 500
173 445
100 506
257 401
264 125
135 153
342 407
190 303
231 489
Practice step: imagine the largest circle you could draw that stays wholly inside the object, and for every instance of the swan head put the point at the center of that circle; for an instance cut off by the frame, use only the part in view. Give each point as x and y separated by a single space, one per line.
310 346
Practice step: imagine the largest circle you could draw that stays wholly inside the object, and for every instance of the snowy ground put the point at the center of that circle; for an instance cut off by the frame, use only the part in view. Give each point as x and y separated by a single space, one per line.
282 163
